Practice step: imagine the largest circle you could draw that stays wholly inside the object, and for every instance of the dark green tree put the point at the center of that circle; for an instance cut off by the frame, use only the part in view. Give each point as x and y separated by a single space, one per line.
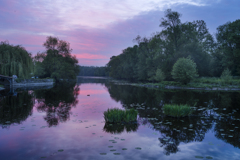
228 39
57 62
15 60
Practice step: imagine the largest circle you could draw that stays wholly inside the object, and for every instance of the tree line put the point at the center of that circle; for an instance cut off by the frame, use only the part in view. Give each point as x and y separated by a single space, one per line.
55 62
152 59
93 71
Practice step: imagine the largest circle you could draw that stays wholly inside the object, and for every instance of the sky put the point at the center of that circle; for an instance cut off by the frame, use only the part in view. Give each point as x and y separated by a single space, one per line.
99 29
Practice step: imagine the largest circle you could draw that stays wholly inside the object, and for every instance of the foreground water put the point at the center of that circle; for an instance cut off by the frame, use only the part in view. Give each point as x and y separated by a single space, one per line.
66 123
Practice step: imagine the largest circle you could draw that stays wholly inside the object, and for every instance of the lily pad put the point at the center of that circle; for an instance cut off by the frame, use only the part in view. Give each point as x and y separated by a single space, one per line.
138 148
103 153
60 150
110 146
113 150
209 157
116 153
124 149
200 157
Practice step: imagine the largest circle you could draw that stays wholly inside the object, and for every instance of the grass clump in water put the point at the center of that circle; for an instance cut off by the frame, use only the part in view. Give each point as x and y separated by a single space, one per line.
175 110
116 115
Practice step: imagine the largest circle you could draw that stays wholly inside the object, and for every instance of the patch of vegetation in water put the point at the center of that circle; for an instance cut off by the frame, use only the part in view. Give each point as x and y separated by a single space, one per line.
116 115
175 110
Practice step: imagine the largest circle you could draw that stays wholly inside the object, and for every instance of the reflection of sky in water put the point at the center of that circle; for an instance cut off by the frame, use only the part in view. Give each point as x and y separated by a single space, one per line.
79 142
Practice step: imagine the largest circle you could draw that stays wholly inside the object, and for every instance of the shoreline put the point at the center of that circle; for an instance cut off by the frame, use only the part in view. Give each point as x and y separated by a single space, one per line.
30 83
189 88
18 85
162 86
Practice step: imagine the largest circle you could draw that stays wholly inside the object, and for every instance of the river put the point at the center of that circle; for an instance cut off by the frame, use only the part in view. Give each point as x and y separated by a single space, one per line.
66 123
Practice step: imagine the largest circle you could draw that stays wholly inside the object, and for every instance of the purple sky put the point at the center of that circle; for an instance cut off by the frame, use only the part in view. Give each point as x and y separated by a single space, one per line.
99 29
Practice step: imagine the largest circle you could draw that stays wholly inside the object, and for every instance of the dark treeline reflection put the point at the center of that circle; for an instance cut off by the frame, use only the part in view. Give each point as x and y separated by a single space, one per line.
212 109
16 109
57 102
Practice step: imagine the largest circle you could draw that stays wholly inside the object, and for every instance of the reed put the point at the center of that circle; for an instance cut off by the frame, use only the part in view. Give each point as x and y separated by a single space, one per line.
116 115
175 110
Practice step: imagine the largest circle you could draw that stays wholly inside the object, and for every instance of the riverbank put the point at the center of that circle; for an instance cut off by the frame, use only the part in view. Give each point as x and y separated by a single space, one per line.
190 86
33 82
22 83
161 86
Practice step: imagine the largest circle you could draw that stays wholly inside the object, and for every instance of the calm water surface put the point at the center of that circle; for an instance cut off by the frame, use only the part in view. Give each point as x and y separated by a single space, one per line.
66 123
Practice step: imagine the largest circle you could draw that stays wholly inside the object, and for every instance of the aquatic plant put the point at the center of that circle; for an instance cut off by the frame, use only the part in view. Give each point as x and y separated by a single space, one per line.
175 110
120 127
116 115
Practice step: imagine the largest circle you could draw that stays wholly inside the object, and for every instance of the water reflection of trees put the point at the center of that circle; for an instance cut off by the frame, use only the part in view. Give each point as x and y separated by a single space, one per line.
177 131
57 102
16 109
227 127
149 102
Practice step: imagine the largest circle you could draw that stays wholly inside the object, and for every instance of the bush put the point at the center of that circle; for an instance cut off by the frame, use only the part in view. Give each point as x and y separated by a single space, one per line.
160 76
177 110
18 80
117 115
226 76
184 70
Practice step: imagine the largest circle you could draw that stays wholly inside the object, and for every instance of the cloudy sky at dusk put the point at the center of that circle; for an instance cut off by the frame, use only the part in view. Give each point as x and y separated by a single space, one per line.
99 29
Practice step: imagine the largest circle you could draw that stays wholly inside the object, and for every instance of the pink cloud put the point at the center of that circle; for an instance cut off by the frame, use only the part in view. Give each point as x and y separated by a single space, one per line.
90 56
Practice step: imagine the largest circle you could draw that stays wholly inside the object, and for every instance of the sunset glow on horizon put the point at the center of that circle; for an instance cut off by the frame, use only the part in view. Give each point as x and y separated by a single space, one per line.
99 29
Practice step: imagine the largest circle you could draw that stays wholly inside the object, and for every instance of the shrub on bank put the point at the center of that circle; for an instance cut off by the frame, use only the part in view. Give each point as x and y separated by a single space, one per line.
184 70
160 76
18 80
116 115
175 110
226 76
